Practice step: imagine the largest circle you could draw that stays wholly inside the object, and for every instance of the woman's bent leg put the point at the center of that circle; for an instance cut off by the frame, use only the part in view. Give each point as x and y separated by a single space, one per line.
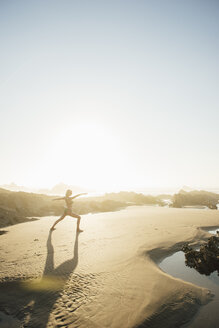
57 221
78 217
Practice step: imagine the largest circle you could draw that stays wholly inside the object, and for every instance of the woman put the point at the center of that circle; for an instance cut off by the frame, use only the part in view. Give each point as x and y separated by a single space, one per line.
68 209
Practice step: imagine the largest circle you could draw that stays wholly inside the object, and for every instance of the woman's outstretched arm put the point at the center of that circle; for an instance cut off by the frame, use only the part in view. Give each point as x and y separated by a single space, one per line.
61 198
84 193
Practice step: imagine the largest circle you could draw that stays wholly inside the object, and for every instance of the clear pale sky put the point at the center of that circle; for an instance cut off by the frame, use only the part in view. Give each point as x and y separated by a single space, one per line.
109 94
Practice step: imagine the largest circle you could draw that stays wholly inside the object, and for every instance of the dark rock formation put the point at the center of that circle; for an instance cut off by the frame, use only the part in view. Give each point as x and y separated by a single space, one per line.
206 260
192 198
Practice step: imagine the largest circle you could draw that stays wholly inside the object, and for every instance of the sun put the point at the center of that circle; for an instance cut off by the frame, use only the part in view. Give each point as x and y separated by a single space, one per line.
86 154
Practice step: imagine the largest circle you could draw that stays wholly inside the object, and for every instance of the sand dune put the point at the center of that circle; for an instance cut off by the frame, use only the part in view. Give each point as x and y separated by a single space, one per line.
106 276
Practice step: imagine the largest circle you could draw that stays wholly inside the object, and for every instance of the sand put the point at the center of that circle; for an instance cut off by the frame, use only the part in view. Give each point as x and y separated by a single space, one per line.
106 276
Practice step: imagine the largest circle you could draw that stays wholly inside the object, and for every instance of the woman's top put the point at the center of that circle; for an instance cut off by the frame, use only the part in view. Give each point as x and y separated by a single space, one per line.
69 203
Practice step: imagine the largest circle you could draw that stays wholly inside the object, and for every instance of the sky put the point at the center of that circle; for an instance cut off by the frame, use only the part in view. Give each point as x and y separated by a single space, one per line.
109 95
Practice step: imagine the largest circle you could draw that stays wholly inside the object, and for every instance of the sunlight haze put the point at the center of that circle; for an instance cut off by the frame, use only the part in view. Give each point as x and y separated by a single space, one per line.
109 94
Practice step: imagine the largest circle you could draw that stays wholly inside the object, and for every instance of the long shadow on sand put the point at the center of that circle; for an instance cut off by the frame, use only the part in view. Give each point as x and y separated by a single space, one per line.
32 301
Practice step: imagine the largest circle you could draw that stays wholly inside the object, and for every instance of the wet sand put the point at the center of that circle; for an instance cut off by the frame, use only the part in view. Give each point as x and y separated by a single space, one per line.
106 276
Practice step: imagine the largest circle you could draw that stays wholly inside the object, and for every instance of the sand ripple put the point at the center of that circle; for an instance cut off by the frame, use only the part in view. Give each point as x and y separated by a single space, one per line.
48 302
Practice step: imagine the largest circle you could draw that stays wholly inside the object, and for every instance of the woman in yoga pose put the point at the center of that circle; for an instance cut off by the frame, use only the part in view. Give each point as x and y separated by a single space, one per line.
68 209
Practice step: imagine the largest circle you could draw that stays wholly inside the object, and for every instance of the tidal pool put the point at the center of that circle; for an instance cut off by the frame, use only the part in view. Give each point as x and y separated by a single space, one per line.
208 315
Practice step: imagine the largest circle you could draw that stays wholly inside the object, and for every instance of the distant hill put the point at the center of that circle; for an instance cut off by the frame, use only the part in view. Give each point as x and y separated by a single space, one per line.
14 187
186 188
60 189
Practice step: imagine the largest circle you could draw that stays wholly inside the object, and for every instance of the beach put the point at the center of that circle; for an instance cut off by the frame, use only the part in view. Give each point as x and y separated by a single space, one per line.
106 276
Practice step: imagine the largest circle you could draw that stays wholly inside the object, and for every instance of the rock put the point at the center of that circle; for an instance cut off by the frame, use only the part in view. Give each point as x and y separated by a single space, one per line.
206 260
194 198
213 206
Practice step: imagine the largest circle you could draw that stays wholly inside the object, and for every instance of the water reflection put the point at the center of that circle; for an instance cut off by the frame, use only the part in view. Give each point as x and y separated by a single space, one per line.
175 266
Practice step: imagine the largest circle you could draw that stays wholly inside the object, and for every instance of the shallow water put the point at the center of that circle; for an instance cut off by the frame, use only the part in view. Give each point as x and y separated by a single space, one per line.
208 314
213 232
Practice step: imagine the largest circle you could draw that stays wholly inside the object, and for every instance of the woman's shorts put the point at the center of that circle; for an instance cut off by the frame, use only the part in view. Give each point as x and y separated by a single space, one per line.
67 211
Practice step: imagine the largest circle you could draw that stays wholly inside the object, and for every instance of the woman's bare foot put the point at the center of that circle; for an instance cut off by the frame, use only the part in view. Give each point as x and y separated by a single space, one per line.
52 228
79 230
